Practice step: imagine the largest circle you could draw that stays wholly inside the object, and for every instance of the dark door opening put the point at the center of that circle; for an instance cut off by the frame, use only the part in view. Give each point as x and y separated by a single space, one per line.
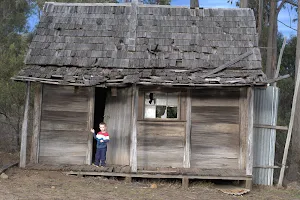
100 97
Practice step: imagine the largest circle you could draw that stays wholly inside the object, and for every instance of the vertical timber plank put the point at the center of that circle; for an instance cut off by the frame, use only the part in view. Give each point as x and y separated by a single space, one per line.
243 104
133 147
24 129
187 147
90 122
249 165
36 124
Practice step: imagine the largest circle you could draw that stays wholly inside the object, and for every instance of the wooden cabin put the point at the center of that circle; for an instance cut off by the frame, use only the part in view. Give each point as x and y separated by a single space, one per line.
174 85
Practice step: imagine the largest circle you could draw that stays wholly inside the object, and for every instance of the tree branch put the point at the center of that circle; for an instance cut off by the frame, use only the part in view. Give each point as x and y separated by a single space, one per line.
292 3
287 25
281 5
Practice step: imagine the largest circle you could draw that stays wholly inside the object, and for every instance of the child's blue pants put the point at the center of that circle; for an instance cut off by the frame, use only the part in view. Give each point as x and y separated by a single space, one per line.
100 156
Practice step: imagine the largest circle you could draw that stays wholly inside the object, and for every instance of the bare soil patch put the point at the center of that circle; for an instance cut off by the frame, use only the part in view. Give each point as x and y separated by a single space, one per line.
39 184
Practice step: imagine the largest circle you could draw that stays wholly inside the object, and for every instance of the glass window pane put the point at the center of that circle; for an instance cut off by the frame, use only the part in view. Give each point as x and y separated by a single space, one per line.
149 99
161 99
172 100
172 112
161 112
149 111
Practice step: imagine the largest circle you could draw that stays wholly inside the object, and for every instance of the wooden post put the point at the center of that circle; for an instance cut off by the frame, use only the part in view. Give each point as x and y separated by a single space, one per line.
279 61
36 124
187 147
243 103
249 161
133 147
128 179
90 124
289 135
24 129
247 184
185 182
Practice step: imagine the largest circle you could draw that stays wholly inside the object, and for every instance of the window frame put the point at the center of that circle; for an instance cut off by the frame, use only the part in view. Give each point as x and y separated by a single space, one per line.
178 94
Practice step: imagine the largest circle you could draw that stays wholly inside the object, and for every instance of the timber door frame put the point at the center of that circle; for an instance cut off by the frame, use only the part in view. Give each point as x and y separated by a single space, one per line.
90 124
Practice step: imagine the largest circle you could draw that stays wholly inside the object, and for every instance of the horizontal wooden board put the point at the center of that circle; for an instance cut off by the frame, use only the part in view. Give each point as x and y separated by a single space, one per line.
62 149
64 98
229 93
65 136
215 114
160 141
220 102
60 160
80 106
161 128
215 132
214 151
159 157
62 125
216 128
67 116
64 90
215 140
211 163
160 144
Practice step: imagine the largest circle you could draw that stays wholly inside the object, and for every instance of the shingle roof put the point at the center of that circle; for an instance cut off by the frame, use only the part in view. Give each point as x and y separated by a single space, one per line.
90 44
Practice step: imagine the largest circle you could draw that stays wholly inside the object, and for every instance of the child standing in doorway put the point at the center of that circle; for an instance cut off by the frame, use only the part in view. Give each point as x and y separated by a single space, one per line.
102 138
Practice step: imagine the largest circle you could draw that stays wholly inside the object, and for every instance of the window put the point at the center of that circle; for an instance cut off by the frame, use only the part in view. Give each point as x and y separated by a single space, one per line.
161 105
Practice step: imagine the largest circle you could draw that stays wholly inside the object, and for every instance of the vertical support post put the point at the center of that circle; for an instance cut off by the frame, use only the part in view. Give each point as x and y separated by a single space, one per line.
90 124
185 182
291 124
128 179
35 144
24 129
187 147
243 103
249 163
133 147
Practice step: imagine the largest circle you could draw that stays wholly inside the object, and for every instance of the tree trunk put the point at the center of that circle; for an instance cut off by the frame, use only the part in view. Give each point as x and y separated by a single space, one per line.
294 163
260 19
270 66
194 4
243 3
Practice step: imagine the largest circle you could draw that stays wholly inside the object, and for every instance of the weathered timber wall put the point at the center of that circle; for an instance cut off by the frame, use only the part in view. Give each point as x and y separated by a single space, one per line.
64 134
118 118
215 140
160 144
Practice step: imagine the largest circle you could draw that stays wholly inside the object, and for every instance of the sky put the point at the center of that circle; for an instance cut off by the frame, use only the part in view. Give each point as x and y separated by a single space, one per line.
286 15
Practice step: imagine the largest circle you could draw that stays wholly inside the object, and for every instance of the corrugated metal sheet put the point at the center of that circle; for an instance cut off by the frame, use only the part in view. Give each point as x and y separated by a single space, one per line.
265 113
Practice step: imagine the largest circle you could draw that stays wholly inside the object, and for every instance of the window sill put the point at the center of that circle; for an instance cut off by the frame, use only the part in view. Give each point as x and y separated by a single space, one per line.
160 120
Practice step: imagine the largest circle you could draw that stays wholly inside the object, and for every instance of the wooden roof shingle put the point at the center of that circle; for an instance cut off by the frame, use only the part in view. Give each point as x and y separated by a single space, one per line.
95 43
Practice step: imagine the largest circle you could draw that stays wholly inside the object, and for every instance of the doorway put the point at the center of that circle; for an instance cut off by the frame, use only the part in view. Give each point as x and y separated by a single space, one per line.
100 98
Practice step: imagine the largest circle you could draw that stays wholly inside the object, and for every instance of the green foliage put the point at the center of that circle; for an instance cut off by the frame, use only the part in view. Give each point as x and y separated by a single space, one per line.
13 45
13 17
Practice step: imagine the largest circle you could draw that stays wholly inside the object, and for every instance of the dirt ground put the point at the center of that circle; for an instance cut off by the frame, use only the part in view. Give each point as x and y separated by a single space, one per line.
34 184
